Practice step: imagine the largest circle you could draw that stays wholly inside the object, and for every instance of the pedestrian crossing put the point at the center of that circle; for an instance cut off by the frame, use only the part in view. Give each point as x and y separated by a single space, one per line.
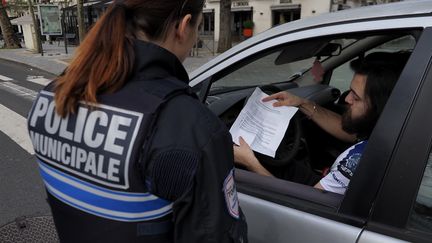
4 78
13 124
39 80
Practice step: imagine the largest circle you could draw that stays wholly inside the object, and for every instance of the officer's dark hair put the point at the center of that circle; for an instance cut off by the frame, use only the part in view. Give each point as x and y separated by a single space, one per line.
105 59
382 70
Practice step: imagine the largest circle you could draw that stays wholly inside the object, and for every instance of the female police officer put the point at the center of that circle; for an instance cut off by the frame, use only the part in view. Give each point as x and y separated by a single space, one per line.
126 151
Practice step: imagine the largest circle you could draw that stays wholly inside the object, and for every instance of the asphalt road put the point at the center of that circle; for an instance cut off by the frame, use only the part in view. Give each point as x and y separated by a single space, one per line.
21 189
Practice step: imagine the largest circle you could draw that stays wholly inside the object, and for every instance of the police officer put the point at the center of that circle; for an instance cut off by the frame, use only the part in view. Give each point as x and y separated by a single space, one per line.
125 149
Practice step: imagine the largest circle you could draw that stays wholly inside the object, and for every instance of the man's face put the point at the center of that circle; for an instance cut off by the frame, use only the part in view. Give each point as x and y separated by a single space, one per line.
355 119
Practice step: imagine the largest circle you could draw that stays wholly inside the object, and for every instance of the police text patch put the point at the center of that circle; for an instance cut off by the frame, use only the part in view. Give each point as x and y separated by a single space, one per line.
95 143
231 198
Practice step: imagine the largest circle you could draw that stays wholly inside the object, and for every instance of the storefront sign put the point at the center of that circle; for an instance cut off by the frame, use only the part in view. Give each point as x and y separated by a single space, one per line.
240 4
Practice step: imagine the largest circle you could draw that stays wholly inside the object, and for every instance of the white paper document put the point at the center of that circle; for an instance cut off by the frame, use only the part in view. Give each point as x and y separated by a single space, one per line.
261 125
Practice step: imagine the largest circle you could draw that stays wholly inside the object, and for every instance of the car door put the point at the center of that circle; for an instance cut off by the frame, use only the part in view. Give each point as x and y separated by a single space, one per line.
403 206
282 211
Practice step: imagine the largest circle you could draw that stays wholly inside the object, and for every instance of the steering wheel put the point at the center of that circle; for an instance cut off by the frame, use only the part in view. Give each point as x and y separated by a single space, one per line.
291 142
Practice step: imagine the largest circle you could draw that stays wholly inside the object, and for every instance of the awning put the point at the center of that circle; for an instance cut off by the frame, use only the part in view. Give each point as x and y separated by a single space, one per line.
90 3
23 20
241 9
285 6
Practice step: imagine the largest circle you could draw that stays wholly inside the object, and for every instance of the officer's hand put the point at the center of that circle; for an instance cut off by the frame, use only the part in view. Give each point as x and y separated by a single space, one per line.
243 154
285 99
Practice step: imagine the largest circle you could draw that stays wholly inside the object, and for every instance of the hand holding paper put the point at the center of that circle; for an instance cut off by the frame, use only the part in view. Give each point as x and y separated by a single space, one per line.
261 125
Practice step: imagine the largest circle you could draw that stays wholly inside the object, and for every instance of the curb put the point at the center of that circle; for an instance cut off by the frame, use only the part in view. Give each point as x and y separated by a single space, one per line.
27 65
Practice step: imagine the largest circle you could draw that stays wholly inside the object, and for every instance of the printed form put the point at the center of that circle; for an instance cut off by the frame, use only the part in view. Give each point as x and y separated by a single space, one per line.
261 125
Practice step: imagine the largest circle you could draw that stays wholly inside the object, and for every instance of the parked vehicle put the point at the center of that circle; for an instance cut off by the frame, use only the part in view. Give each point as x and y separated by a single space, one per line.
386 199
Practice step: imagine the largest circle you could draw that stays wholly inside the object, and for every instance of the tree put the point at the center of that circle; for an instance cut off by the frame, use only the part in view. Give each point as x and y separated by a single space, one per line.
225 26
10 39
80 16
36 29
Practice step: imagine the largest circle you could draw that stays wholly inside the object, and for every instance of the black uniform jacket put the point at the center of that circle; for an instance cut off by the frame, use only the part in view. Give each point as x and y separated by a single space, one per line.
184 157
191 163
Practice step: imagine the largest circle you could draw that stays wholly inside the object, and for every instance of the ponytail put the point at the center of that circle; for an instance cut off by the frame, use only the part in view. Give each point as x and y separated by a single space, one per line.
102 64
105 59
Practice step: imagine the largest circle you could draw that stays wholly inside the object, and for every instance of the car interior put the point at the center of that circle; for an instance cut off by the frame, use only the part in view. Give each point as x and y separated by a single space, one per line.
291 67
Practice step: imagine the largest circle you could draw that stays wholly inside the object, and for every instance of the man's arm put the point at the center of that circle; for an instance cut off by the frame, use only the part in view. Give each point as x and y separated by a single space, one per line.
329 121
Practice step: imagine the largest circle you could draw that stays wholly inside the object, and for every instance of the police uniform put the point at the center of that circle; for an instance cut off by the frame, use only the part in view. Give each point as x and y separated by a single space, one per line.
149 163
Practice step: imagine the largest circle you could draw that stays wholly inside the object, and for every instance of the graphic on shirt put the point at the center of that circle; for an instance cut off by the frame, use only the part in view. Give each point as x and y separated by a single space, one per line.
343 169
231 197
348 164
95 143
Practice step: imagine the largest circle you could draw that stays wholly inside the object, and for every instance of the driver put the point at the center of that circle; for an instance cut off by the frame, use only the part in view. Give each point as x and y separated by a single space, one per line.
374 78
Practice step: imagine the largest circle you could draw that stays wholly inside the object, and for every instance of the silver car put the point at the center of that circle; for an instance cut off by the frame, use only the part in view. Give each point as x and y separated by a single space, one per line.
390 196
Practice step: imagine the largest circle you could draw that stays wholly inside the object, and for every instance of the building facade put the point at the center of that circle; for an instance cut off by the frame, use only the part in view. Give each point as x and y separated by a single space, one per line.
268 13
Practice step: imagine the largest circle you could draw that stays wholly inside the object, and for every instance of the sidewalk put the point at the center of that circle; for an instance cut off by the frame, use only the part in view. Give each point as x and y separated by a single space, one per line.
55 59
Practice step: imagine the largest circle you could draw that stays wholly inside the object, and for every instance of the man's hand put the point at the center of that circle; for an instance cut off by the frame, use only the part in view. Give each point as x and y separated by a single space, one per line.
285 99
244 155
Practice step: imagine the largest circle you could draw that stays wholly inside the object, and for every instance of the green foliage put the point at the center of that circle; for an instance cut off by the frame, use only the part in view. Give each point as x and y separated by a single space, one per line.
248 24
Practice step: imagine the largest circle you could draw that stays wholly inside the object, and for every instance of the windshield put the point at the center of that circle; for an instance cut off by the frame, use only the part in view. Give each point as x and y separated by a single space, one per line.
267 69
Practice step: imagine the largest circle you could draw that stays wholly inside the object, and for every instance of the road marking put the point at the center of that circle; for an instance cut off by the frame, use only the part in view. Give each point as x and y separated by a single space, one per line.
39 80
18 90
15 126
4 78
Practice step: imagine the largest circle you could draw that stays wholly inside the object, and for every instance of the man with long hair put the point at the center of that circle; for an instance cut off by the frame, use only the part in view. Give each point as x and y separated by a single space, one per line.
374 78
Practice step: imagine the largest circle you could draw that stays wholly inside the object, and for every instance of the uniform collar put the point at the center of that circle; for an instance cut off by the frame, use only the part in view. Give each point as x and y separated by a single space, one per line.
155 62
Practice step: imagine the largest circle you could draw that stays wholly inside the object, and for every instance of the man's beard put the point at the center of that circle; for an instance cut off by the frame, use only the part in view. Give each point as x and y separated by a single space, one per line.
361 126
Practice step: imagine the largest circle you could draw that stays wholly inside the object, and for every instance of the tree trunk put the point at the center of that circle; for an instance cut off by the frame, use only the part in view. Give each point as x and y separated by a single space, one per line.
80 20
36 30
225 26
10 39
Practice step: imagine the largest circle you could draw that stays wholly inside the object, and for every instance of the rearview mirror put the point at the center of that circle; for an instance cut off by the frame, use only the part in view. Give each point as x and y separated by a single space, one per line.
307 49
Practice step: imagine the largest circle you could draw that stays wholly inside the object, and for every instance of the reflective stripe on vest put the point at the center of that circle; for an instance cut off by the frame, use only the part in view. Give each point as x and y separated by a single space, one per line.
115 205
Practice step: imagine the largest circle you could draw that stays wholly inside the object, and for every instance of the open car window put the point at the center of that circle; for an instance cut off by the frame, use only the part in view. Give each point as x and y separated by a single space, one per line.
275 68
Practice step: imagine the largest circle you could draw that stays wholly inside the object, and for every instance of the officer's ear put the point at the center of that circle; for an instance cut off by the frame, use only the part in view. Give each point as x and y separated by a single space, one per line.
184 28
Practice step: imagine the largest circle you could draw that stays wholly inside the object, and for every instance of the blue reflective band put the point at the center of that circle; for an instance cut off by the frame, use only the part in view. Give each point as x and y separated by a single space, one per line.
102 203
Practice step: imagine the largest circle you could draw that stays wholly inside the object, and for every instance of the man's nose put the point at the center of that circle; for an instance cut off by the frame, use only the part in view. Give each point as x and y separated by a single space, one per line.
348 98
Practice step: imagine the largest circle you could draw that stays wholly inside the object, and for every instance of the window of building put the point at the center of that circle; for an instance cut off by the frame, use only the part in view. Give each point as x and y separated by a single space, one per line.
285 15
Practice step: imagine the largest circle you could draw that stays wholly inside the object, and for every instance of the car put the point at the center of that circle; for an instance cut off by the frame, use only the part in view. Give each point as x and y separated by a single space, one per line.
385 201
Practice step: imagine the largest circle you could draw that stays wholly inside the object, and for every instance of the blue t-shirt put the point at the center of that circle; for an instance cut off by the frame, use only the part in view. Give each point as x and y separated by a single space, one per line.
343 169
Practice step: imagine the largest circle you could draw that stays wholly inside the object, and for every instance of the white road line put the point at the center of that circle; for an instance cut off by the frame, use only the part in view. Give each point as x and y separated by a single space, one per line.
39 80
15 126
18 90
4 78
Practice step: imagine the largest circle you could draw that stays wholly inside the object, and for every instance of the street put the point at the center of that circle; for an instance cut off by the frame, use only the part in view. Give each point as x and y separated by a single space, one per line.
21 189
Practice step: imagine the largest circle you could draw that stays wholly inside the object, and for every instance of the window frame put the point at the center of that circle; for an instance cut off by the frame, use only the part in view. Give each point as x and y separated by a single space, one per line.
408 110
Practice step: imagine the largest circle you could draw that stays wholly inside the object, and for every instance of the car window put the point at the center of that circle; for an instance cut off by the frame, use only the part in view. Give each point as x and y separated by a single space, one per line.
263 71
283 63
421 214
342 75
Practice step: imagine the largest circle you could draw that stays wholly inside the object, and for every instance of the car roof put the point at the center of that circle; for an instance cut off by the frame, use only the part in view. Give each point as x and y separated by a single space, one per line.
403 9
